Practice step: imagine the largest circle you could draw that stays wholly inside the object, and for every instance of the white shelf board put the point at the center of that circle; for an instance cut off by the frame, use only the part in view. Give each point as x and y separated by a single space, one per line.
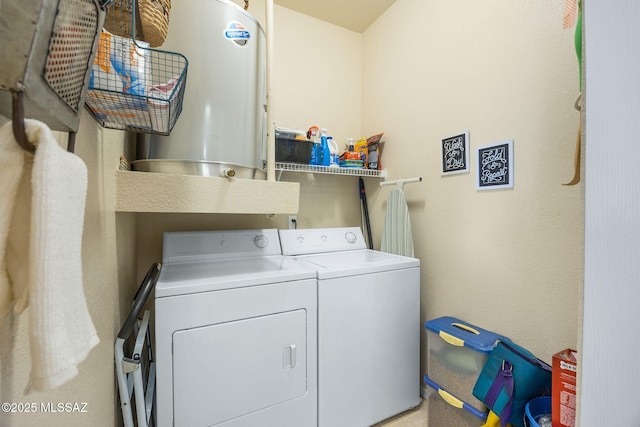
159 192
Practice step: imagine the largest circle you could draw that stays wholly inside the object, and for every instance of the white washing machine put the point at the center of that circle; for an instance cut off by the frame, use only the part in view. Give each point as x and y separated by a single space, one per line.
236 332
368 326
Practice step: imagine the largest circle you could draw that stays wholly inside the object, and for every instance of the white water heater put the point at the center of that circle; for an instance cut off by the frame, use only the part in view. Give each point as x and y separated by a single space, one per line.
223 123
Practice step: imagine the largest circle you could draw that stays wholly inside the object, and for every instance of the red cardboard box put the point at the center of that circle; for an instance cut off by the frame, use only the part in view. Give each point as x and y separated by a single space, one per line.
563 388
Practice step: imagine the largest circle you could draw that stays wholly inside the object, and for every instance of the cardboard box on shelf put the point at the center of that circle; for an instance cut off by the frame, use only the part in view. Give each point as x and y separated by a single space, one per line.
563 388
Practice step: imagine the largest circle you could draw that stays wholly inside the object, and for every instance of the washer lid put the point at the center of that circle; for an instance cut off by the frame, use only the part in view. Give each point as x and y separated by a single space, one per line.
218 274
350 263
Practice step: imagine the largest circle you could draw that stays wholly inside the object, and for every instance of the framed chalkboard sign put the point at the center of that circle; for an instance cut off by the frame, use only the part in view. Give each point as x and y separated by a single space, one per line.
455 154
495 166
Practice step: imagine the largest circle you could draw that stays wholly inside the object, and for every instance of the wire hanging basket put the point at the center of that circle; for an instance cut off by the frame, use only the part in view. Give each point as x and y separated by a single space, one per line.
134 87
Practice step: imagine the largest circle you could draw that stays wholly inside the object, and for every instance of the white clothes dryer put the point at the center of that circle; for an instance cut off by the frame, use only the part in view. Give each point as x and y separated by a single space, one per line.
368 326
236 332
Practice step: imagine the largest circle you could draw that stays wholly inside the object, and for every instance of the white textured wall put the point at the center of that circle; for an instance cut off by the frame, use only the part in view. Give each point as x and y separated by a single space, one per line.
612 233
506 260
317 75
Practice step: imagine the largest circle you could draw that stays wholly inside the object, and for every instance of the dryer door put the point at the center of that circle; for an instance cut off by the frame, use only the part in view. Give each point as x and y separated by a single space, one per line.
230 369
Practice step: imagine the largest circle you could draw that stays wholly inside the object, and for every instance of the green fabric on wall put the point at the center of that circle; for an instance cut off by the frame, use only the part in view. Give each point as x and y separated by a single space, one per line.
578 41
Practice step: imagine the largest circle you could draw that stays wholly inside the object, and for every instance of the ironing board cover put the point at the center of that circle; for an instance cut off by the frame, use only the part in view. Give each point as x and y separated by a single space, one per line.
396 237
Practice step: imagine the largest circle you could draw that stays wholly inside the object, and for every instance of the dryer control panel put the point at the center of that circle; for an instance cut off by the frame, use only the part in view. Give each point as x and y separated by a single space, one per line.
184 246
320 240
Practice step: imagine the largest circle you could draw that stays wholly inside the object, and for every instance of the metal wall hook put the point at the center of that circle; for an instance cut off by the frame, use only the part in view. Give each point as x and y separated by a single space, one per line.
18 122
71 142
19 131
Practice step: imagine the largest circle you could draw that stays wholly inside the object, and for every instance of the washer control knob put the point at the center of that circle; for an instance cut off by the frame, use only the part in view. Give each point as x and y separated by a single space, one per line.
300 239
261 241
350 236
323 237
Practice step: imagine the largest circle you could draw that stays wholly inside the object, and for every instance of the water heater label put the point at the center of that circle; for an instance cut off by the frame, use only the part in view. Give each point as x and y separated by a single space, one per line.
237 33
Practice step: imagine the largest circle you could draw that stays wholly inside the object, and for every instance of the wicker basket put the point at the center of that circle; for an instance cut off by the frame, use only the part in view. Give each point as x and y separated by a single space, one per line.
152 17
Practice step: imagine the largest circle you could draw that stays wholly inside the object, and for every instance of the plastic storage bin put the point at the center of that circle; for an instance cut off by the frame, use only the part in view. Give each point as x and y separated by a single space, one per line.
457 352
446 410
291 150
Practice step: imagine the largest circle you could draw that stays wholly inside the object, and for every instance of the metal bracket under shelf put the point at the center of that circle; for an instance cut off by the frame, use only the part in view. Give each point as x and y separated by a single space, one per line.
326 170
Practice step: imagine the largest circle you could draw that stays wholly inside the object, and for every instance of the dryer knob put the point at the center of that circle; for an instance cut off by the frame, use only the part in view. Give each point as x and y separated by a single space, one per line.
351 237
261 241
300 239
324 237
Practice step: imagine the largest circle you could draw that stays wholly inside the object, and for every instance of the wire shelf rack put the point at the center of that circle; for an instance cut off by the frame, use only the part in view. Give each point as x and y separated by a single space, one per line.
297 167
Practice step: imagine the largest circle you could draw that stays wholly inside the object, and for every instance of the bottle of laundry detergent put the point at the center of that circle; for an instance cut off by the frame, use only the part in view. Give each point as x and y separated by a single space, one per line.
334 160
325 153
312 135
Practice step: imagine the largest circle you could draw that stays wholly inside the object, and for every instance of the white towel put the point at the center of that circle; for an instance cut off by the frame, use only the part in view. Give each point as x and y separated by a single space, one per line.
11 166
43 255
396 237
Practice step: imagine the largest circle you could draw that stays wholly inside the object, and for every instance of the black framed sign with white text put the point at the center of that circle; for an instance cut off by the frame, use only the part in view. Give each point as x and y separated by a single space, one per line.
495 166
455 154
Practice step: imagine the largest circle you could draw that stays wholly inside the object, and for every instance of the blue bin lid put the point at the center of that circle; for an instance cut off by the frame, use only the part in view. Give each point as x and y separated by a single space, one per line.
454 401
460 333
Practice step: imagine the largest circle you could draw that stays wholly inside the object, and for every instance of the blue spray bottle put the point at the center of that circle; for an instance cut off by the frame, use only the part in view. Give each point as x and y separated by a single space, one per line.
325 156
315 153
